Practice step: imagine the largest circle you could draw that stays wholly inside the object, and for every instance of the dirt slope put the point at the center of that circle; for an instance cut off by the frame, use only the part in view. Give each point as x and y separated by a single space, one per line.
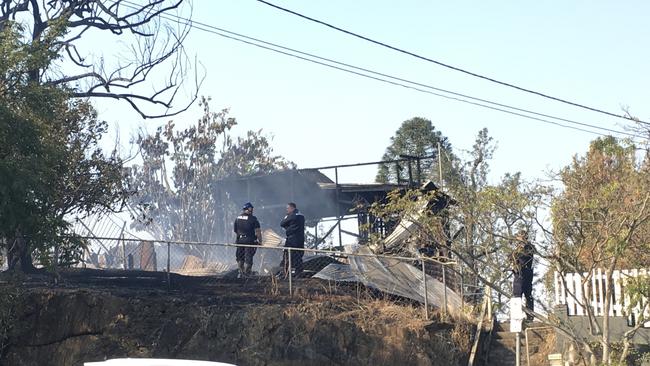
246 323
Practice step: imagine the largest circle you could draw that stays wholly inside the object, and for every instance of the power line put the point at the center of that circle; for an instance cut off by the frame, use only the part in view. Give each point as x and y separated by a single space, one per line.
395 80
455 68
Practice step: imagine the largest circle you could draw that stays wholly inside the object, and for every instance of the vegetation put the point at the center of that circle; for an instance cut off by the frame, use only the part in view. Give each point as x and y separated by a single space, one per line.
178 181
50 162
417 137
599 218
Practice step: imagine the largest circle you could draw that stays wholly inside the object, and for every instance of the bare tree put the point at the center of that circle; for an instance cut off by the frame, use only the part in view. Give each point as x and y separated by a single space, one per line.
153 34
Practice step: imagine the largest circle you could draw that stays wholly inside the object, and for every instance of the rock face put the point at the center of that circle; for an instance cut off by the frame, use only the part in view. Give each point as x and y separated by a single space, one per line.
69 327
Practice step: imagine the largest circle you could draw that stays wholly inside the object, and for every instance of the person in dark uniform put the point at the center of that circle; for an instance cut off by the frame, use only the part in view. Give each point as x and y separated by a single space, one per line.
248 231
522 268
294 225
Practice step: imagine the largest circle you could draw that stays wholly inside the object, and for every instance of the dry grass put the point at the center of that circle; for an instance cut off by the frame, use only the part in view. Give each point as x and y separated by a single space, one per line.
545 348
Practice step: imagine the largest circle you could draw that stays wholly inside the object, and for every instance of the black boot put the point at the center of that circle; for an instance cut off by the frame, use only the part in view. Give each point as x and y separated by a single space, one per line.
247 269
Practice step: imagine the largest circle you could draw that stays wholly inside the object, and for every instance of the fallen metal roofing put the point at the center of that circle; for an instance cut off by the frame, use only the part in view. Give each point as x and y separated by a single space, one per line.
392 276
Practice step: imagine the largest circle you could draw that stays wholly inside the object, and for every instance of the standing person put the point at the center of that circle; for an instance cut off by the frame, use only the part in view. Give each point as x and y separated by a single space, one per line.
248 231
294 225
522 268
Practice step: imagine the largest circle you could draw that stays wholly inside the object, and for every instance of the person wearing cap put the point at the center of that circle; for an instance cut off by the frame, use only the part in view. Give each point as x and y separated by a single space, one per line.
294 225
522 268
248 231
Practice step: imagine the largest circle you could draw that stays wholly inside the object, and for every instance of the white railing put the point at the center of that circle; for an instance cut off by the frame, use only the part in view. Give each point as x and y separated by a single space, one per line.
574 289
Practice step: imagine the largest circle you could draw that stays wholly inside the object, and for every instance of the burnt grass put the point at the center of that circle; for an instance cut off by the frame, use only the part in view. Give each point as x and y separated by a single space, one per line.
86 315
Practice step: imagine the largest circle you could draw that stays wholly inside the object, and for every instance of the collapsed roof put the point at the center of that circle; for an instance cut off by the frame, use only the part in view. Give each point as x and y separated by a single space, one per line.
314 193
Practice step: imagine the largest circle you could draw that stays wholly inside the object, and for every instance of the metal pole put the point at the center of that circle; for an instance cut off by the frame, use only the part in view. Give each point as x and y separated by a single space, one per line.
426 290
462 287
338 204
440 165
56 264
169 251
124 251
527 350
518 349
444 292
289 273
489 300
398 173
410 171
293 185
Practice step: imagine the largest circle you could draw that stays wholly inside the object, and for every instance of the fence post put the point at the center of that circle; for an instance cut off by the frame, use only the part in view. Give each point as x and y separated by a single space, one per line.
426 290
289 272
56 264
462 288
169 276
444 293
121 236
518 349
488 293
124 252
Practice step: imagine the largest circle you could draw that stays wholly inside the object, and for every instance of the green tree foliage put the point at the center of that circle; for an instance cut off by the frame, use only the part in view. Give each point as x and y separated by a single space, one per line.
178 181
601 219
601 216
50 163
417 137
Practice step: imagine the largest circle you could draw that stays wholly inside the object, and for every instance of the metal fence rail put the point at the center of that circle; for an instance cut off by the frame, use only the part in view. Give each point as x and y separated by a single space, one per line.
431 281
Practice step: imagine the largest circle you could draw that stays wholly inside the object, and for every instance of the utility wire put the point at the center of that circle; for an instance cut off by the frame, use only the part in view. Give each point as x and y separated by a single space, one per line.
455 68
395 80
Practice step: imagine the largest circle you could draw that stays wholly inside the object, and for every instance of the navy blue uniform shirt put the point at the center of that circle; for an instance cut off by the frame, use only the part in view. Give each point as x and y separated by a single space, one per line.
245 226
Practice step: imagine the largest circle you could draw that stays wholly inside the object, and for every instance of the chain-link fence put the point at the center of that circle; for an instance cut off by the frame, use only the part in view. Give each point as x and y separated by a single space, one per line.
432 281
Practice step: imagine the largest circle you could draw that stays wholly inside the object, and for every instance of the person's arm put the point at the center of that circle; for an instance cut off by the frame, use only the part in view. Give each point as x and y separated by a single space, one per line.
286 221
258 230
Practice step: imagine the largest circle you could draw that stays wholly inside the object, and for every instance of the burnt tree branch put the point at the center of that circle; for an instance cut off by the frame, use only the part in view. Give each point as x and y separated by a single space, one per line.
156 46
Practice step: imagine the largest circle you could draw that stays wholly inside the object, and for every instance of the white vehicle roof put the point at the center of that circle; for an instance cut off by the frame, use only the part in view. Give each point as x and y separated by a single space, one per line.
154 362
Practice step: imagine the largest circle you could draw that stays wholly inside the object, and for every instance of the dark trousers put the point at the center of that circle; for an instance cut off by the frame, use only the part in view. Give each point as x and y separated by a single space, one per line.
245 255
296 262
522 283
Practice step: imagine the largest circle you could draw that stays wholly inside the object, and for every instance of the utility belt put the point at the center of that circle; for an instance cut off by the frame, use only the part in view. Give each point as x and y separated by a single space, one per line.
246 239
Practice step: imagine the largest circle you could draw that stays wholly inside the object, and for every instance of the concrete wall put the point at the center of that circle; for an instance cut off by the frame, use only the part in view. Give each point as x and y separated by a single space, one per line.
581 326
617 327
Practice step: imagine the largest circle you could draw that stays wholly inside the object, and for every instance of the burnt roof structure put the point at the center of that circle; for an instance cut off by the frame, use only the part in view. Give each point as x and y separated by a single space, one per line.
316 195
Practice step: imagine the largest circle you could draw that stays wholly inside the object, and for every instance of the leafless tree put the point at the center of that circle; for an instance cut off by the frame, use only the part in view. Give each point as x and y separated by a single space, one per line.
150 29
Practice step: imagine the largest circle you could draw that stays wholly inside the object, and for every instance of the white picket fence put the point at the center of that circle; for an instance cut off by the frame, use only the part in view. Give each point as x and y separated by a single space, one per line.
571 291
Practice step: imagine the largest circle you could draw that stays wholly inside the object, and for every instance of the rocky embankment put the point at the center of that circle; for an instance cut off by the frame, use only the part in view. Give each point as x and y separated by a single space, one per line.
230 323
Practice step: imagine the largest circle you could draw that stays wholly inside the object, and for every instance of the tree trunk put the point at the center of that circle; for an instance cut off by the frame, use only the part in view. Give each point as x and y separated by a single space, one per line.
608 303
19 256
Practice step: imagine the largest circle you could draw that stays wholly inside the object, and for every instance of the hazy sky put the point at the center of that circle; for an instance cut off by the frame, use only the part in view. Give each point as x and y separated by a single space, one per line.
592 52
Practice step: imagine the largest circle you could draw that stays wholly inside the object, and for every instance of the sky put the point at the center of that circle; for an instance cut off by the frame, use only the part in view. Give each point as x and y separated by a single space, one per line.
591 52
